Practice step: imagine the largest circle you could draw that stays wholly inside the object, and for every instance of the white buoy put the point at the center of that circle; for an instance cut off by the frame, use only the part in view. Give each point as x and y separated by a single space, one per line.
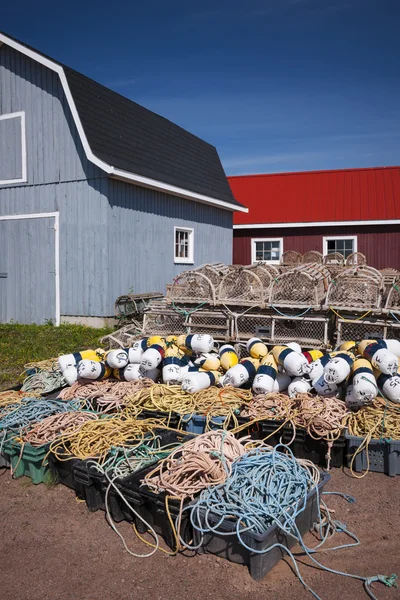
350 399
389 386
71 360
91 369
152 357
323 388
338 368
294 346
117 359
70 374
265 377
172 370
135 353
393 346
317 367
379 356
365 388
196 381
241 373
294 364
197 343
298 385
281 382
209 361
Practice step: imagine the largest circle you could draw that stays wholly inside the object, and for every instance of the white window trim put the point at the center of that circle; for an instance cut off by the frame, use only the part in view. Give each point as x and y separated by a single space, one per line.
190 259
253 249
23 178
339 238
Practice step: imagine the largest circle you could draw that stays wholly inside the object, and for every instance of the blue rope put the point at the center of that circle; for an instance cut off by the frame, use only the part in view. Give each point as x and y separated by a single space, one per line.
394 317
291 316
267 487
31 410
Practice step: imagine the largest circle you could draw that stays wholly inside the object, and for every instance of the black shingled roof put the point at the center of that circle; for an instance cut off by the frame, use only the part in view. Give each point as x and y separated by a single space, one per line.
132 138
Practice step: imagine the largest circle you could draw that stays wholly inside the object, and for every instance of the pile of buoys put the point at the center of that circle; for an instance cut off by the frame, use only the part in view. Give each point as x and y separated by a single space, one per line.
355 372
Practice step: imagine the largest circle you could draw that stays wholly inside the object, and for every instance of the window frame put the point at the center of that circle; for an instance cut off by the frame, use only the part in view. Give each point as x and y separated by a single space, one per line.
15 115
189 260
269 239
338 238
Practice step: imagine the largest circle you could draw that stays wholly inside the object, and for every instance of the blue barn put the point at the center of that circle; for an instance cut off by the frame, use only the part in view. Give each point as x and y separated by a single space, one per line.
98 195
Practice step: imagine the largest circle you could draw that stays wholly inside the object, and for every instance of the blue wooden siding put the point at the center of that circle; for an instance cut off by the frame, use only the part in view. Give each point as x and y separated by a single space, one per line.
113 235
141 239
10 149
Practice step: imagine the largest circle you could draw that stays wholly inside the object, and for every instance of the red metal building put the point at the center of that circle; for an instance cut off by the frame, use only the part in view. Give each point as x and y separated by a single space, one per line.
345 211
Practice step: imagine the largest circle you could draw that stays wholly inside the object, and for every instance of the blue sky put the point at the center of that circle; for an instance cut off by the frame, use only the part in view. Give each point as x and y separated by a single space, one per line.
275 85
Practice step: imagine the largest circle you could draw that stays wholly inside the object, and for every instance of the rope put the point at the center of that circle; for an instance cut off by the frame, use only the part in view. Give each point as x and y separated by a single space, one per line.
349 320
50 364
107 390
291 316
165 398
56 425
199 463
12 397
96 438
44 382
187 313
226 402
31 410
268 406
394 317
267 487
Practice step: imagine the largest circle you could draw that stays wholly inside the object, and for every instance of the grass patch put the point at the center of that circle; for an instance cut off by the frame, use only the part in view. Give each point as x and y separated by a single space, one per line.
21 344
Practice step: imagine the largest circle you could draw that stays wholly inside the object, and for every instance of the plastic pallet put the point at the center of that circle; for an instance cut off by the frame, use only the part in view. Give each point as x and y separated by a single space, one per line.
30 463
384 455
229 547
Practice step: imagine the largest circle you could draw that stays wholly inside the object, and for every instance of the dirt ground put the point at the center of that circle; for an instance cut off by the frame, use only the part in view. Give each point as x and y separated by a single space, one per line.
53 548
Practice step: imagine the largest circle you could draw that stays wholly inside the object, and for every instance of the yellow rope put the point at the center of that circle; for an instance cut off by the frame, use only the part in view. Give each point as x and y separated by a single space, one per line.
349 320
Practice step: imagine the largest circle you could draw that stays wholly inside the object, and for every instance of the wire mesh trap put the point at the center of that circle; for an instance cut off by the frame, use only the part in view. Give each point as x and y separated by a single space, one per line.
305 285
242 287
356 288
192 286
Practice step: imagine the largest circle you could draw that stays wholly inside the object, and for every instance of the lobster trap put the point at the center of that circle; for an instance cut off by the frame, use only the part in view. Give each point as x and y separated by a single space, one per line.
192 287
356 289
392 304
132 306
241 287
313 256
303 286
366 329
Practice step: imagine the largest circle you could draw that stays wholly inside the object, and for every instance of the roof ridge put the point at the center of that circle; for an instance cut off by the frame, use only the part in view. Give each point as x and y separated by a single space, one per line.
321 171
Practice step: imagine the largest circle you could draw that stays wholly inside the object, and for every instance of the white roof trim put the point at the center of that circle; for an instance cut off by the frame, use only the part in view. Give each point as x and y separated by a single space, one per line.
316 224
117 173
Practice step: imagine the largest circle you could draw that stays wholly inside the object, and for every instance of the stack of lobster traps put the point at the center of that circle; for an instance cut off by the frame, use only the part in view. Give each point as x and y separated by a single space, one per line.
315 300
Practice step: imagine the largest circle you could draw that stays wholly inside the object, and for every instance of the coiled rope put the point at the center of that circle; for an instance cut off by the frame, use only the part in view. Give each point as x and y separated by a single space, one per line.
44 382
50 364
12 397
95 438
31 410
199 463
56 425
268 406
110 390
165 398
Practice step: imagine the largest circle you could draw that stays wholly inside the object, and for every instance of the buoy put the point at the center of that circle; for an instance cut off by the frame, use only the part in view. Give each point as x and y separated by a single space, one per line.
294 364
281 382
70 374
208 361
117 359
156 339
389 386
172 370
241 373
197 343
153 356
132 372
265 376
135 353
194 382
312 355
347 346
379 356
318 365
94 370
71 360
298 385
228 357
323 388
338 368
393 346
256 348
365 388
350 399
294 346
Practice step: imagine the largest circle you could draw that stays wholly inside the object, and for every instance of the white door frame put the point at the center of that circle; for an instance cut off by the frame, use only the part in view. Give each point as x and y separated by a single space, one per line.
56 216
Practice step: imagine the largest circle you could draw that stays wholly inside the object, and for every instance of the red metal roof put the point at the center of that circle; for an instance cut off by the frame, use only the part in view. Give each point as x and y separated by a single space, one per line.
318 196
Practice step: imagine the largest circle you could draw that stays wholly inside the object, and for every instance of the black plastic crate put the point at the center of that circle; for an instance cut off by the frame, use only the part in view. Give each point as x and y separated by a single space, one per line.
63 470
171 419
254 430
229 547
380 456
304 446
273 432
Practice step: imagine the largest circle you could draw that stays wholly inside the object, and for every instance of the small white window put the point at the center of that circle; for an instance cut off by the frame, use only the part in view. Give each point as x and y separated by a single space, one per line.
345 245
266 250
12 148
183 245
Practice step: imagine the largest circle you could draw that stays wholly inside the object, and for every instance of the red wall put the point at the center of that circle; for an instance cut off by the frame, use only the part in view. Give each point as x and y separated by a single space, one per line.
380 244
